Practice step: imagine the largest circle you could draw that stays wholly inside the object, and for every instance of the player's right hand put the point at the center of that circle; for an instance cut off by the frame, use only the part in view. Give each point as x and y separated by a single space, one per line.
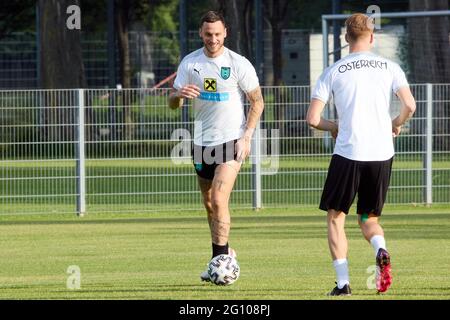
396 131
189 91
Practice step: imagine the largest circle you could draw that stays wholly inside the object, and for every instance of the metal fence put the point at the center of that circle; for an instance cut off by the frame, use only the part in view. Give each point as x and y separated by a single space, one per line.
125 150
153 57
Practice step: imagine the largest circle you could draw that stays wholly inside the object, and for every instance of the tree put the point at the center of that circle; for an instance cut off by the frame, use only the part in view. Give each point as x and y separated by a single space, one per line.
238 16
162 17
122 14
61 59
17 15
275 12
154 14
61 66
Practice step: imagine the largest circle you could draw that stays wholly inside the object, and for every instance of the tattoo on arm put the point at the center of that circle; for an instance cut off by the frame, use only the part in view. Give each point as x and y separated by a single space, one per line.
256 107
255 95
254 112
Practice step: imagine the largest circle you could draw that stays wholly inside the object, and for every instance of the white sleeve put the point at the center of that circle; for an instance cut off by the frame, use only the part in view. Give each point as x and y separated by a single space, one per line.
182 78
322 90
247 78
399 79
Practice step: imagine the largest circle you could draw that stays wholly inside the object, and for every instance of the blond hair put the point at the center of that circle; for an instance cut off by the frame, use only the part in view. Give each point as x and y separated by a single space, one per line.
358 25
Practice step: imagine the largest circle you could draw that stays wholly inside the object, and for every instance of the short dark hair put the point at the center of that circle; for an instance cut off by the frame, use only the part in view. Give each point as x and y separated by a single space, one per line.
212 16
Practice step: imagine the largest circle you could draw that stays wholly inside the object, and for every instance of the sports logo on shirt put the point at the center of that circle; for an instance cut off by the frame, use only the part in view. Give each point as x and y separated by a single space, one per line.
225 72
210 84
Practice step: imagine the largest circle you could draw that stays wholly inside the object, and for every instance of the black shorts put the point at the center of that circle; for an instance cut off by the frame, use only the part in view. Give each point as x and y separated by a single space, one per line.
346 178
206 159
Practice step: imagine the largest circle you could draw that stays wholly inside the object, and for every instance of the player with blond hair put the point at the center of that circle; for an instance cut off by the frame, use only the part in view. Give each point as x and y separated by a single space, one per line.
361 85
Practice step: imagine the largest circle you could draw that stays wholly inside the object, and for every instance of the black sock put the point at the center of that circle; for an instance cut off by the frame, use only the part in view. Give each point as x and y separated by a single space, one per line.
216 249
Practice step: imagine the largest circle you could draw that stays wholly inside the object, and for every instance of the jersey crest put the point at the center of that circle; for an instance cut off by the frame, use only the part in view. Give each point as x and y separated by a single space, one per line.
225 72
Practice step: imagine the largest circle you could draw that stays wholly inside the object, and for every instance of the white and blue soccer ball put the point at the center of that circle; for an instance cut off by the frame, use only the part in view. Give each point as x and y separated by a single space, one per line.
223 270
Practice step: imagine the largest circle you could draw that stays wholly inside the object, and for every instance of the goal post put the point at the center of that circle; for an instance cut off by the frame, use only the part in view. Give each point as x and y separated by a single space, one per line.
330 17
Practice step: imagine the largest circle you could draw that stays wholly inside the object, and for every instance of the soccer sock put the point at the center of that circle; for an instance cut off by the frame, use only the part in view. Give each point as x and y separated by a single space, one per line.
341 267
217 249
377 243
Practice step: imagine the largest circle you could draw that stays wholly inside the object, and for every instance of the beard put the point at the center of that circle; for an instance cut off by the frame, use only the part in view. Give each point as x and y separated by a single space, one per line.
214 49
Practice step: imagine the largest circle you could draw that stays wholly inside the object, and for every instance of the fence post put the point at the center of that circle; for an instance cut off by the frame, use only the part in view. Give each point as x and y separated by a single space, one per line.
81 164
324 43
256 168
429 147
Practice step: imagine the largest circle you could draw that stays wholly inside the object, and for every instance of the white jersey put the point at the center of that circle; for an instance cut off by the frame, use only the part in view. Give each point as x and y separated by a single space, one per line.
361 85
223 80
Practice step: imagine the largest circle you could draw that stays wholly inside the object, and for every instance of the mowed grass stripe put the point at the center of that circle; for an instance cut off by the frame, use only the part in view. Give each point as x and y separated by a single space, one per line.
283 254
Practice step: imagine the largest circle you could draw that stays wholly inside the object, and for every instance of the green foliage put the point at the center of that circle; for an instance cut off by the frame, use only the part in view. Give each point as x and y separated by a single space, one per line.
169 46
94 16
17 16
162 18
163 15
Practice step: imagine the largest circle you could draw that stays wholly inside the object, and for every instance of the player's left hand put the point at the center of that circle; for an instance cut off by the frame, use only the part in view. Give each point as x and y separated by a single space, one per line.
242 148
334 131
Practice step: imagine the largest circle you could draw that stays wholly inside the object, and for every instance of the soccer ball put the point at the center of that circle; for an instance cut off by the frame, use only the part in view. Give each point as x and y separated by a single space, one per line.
223 270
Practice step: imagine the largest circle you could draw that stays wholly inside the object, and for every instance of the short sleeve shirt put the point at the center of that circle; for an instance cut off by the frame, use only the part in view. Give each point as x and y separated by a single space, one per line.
361 85
223 81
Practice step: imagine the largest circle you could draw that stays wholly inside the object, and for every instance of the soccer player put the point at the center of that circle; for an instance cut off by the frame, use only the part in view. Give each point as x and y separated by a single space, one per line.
361 85
218 79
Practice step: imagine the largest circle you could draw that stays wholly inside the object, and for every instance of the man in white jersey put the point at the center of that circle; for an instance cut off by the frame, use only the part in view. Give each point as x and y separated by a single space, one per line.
218 79
361 85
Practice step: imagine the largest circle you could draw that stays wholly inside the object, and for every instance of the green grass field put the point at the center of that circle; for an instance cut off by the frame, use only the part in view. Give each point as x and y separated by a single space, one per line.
282 252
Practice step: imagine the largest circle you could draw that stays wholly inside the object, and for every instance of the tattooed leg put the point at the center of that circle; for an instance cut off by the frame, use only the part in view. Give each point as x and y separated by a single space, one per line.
222 185
220 230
